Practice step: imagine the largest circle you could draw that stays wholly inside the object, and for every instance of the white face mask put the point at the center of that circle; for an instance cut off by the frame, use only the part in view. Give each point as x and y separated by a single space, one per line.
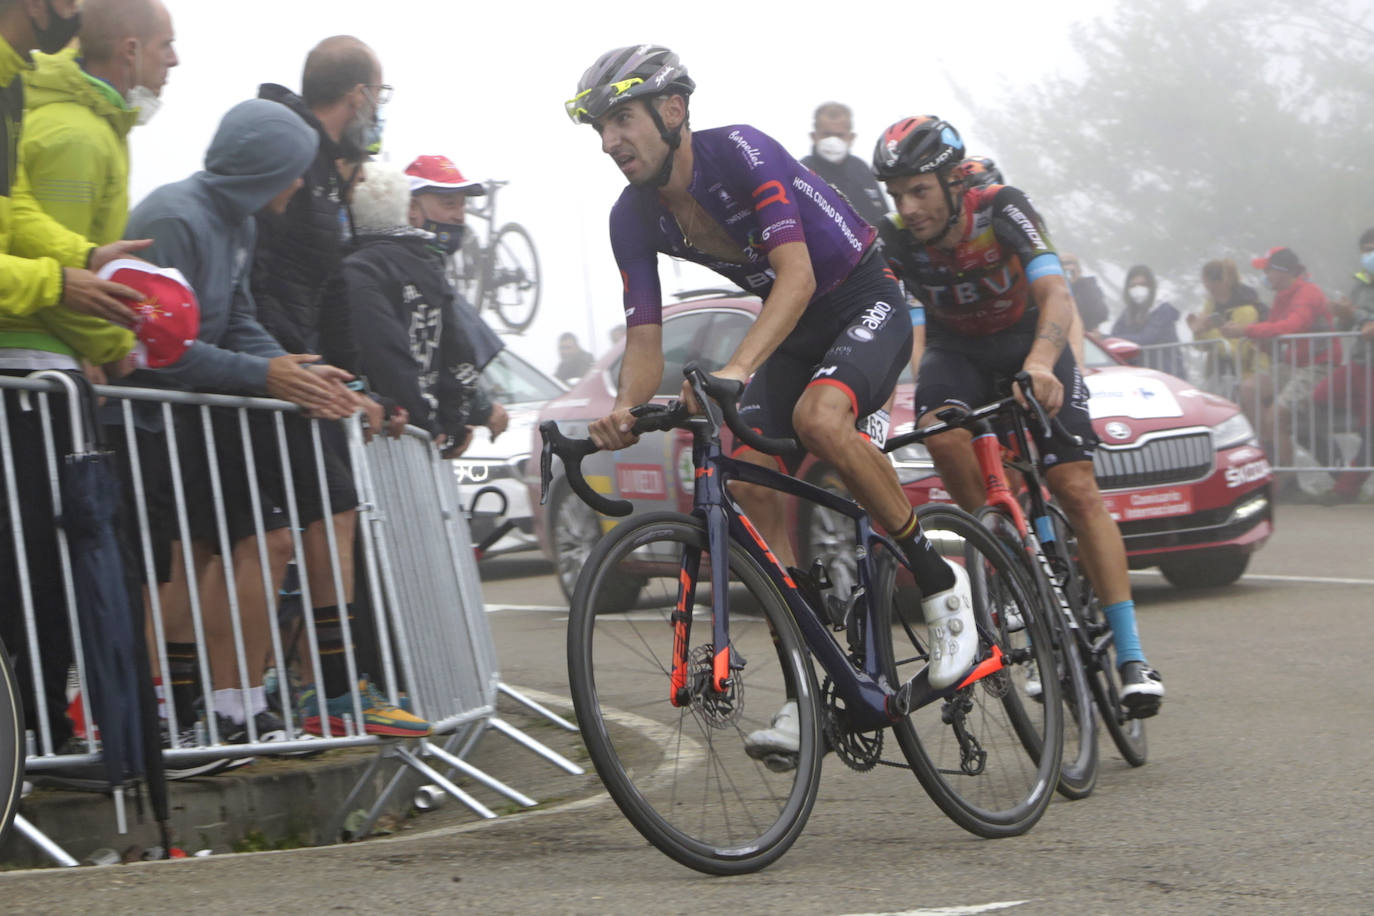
832 149
145 100
141 97
1138 294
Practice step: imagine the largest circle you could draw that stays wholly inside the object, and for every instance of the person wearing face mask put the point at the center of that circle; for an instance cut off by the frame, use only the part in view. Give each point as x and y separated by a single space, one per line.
1228 300
832 136
405 335
1145 322
80 109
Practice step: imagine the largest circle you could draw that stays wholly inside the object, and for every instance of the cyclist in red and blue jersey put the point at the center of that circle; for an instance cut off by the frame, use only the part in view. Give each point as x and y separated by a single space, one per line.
980 260
830 339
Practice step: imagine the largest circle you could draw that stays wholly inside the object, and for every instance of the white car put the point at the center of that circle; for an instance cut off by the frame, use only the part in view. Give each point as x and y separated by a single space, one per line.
491 474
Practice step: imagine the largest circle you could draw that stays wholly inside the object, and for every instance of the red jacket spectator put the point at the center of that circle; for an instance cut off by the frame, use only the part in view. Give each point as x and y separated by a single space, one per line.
1300 308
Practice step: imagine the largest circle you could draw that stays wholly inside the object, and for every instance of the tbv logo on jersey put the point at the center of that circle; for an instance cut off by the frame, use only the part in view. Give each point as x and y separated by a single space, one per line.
967 293
870 321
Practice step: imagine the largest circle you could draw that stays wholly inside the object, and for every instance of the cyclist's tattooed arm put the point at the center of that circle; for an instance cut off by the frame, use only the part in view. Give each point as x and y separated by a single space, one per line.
1051 334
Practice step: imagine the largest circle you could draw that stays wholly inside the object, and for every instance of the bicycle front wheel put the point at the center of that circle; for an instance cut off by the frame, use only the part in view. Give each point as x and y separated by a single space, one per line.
11 743
512 287
1079 766
682 774
988 754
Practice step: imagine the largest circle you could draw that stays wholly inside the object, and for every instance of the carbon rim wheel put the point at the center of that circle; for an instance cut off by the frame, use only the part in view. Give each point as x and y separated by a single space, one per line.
989 754
11 743
682 774
1078 768
1104 680
513 284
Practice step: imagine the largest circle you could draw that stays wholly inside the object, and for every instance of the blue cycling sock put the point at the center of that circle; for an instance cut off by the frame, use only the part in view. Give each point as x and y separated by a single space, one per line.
1121 618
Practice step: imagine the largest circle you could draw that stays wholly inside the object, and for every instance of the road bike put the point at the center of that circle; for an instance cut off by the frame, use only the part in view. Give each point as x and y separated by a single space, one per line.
12 745
667 692
1036 531
500 273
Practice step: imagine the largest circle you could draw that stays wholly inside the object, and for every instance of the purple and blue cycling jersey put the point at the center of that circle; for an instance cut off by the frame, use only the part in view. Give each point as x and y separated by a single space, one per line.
761 197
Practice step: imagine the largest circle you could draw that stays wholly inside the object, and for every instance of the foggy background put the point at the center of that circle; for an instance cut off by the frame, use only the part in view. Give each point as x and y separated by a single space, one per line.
1166 134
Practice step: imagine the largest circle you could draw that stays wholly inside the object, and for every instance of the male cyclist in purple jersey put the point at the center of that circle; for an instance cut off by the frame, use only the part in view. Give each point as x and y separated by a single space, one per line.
979 258
831 337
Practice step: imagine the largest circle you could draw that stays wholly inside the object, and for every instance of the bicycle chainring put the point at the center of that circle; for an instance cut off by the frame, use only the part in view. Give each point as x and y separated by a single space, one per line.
860 751
718 710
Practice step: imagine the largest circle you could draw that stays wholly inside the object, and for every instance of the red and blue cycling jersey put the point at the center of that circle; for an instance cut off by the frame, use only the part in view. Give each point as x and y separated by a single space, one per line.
982 285
761 197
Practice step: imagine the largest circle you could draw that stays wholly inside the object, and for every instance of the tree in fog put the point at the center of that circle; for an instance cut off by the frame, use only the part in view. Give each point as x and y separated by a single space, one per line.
1189 130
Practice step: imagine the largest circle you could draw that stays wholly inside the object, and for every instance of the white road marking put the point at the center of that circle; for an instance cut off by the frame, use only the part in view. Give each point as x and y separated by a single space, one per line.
540 608
951 910
1265 577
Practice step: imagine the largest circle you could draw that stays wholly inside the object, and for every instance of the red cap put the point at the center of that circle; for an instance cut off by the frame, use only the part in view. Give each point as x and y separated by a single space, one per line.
438 173
168 314
1279 258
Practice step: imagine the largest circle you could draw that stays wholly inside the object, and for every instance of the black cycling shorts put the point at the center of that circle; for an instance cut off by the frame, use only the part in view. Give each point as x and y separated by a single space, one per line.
975 372
857 337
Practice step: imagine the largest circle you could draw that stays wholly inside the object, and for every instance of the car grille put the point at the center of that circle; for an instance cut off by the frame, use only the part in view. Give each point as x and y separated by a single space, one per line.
1170 459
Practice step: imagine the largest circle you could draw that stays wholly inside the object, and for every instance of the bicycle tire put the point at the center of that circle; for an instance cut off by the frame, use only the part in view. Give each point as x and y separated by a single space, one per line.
1128 733
706 803
1006 790
11 744
512 280
1078 769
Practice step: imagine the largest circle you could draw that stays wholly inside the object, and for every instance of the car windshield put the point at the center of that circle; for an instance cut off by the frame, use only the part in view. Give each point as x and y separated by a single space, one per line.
508 379
1095 356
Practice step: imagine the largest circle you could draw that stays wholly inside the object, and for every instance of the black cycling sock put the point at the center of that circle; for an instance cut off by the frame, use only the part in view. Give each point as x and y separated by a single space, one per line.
930 570
181 676
333 654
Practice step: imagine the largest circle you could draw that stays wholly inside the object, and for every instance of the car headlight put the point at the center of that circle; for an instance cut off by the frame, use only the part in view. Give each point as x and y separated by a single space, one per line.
1233 431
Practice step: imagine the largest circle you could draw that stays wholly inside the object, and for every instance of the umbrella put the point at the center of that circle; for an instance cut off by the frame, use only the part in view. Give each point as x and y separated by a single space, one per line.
90 493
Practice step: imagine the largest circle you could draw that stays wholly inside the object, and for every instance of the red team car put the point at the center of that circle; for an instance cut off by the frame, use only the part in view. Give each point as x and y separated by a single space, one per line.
1180 468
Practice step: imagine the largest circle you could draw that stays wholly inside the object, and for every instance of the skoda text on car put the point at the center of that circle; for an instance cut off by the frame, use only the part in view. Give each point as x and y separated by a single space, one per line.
490 474
1179 468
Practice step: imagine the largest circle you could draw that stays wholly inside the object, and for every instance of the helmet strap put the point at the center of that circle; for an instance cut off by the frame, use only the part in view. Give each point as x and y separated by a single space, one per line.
671 137
956 207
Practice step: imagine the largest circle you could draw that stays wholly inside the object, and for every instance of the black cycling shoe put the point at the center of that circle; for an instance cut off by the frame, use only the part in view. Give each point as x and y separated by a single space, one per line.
1142 689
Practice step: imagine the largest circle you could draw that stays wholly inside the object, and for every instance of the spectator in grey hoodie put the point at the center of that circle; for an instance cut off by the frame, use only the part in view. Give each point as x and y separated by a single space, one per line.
204 226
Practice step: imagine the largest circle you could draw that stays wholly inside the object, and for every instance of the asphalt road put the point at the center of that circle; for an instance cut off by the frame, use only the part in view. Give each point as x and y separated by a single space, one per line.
1256 797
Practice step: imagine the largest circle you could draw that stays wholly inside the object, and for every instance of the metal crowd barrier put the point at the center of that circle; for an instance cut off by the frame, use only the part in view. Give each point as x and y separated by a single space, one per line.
429 625
1310 397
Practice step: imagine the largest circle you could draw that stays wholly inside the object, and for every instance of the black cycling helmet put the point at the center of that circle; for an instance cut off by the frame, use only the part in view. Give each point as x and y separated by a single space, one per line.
921 145
979 172
635 72
916 146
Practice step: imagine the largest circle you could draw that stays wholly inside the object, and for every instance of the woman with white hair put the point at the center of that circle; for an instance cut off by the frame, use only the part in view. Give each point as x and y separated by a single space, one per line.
402 333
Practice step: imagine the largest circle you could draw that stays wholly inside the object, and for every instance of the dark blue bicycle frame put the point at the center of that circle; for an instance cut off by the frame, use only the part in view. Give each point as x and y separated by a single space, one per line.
870 702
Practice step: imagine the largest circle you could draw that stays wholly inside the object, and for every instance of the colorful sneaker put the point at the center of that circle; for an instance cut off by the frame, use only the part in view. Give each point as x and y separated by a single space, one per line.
379 716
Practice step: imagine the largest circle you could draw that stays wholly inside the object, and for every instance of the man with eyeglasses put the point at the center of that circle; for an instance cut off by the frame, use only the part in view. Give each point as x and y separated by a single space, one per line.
341 98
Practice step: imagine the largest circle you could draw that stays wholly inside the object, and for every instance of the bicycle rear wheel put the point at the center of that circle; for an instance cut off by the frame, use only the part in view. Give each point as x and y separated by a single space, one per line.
988 754
1079 767
1128 734
512 286
11 743
681 774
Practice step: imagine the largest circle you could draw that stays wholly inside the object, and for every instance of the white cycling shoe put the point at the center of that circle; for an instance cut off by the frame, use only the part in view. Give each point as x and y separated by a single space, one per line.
777 746
952 631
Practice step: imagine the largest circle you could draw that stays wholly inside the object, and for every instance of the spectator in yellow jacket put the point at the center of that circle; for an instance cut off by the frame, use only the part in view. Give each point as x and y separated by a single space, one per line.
1228 300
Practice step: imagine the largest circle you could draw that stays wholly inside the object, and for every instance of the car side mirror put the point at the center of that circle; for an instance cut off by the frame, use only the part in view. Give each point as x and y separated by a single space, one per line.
1124 351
